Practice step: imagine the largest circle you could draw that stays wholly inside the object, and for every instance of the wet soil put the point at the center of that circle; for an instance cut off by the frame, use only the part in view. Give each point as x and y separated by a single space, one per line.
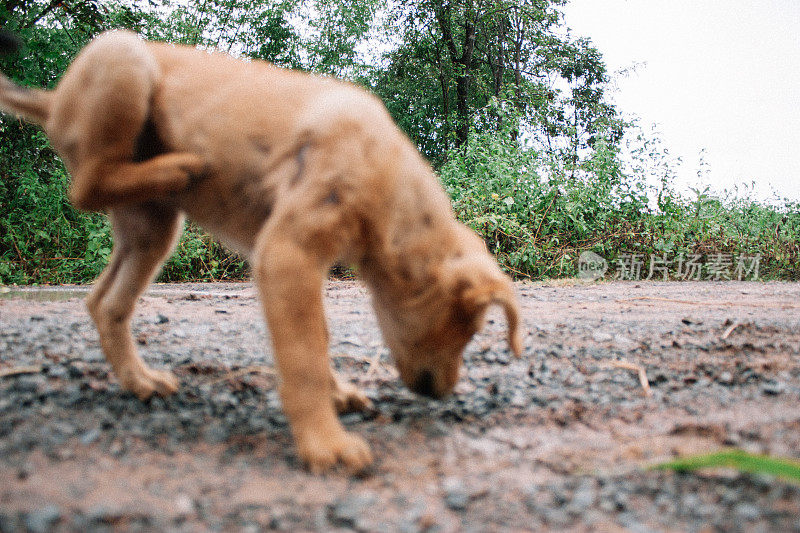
560 439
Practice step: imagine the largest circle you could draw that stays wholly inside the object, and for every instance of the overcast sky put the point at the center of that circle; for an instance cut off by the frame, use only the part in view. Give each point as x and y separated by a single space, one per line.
719 75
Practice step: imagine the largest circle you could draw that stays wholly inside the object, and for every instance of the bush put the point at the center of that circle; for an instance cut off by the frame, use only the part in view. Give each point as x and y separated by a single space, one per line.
537 216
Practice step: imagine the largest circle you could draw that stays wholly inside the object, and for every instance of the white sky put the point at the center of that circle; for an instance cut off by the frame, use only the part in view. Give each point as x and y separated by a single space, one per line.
723 75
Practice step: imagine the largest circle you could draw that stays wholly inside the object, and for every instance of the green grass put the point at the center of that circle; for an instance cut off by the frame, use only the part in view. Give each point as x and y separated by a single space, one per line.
786 469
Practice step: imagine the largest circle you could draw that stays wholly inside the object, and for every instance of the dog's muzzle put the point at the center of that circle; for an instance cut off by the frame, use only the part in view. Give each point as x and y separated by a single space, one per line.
425 385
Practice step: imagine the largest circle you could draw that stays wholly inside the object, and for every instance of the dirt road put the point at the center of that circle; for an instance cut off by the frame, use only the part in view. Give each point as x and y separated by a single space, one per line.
557 440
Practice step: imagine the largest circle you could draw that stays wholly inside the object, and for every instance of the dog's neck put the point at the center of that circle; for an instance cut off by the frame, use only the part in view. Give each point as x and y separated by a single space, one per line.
413 237
409 271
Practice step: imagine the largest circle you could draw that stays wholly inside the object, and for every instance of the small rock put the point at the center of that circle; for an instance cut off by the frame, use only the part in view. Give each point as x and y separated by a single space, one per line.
518 400
557 518
63 428
102 514
436 428
161 319
773 388
582 499
690 502
23 473
90 436
42 520
29 383
75 371
226 399
456 496
347 511
8 522
117 449
184 506
351 418
631 523
58 372
725 378
624 343
659 377
747 511
215 433
602 336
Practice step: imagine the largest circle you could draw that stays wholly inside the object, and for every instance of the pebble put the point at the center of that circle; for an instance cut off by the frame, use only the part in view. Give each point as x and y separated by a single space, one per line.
725 378
602 336
8 523
583 498
215 433
75 370
58 372
42 520
773 388
348 511
456 496
183 506
747 511
90 436
29 383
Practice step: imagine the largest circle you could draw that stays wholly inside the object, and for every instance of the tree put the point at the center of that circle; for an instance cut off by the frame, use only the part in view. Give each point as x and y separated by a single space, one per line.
453 58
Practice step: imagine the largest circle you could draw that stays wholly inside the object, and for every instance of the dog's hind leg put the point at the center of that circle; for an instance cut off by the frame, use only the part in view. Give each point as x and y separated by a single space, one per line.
143 236
103 184
104 123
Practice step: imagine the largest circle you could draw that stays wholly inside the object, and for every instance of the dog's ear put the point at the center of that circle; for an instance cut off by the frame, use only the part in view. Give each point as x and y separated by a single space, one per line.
480 284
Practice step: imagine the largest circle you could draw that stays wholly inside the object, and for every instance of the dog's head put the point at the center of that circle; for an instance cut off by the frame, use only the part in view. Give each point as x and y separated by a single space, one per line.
427 334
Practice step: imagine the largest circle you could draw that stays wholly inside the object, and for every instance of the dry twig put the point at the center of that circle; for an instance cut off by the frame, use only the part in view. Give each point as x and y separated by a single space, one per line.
639 370
711 303
266 370
18 370
374 362
731 329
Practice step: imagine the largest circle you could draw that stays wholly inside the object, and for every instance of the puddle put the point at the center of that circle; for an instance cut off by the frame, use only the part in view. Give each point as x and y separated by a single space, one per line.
43 294
59 294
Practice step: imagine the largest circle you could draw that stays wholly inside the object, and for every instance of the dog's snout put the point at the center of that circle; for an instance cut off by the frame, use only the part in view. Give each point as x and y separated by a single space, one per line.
425 384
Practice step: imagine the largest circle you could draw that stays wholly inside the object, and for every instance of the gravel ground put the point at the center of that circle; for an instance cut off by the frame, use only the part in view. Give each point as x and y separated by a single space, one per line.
557 440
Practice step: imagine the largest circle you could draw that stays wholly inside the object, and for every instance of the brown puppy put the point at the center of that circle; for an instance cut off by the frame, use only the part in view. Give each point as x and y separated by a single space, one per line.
296 171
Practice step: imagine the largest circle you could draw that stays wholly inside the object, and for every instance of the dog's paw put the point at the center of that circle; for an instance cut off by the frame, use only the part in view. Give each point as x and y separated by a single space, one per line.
348 399
321 452
147 382
198 171
177 172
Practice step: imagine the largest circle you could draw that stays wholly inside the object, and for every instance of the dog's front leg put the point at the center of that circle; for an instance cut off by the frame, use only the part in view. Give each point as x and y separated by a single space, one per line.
289 280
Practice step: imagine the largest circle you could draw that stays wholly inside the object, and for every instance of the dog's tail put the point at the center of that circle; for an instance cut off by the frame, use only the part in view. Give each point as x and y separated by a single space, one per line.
30 104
